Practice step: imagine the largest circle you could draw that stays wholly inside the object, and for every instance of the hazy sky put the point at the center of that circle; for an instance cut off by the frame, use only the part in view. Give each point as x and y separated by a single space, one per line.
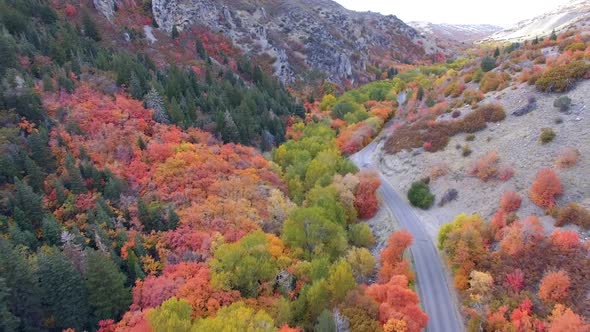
500 12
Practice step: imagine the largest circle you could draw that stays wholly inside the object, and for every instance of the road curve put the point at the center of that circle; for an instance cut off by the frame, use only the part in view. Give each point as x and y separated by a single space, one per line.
433 289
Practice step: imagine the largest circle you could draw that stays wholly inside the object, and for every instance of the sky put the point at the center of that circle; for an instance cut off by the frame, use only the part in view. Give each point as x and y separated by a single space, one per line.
498 12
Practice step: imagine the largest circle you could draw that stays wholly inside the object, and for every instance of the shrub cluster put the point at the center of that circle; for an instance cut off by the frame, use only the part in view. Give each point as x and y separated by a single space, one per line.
562 78
420 196
563 103
547 135
573 214
494 81
437 134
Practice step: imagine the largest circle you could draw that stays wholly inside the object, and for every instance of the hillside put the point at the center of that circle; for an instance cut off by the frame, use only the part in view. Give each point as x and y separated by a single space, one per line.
462 34
573 15
296 37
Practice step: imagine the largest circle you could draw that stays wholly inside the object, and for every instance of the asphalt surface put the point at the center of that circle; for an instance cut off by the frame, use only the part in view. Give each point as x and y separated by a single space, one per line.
435 296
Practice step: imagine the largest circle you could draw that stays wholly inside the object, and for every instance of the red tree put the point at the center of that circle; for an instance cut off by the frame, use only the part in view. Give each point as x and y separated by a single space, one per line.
554 287
546 186
365 199
515 280
510 201
397 301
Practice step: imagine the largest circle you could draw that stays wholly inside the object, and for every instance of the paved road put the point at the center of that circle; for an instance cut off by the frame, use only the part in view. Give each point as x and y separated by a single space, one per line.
433 289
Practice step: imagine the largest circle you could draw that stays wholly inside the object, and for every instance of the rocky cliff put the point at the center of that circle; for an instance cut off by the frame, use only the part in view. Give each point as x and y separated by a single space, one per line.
302 37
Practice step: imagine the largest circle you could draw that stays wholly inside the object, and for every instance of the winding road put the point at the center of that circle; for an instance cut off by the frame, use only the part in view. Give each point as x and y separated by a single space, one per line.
433 289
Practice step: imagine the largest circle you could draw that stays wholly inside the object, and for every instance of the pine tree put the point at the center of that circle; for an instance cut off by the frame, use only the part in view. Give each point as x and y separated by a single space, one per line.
35 176
229 131
75 181
553 35
63 290
89 27
420 94
8 322
31 204
21 287
112 189
173 218
51 230
201 49
107 294
135 88
40 151
497 52
154 101
175 32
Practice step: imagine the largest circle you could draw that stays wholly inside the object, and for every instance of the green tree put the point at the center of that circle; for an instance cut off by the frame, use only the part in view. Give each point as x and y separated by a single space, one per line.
325 322
29 203
40 151
237 317
360 235
420 196
8 322
35 176
310 231
340 280
488 63
243 265
89 27
497 52
51 230
107 294
553 35
174 315
21 288
201 49
420 94
63 290
175 32
75 181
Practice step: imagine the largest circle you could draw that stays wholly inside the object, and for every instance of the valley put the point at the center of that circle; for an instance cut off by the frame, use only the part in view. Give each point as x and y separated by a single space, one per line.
291 166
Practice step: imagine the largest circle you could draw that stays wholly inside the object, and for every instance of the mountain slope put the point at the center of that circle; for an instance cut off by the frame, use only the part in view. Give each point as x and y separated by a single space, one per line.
298 36
463 33
572 14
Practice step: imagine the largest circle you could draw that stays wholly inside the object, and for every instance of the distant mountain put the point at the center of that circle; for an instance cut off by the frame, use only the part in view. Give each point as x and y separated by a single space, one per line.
574 14
462 33
297 37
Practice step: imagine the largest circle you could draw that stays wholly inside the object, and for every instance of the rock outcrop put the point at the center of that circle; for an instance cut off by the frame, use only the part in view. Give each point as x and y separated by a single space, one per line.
105 7
302 36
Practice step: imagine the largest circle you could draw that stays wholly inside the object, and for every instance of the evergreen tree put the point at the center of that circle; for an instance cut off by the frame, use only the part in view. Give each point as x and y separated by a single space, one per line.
107 294
173 218
175 32
201 49
553 35
113 189
63 290
89 27
51 230
75 181
135 88
420 94
35 176
497 52
40 151
154 101
21 288
8 322
29 203
229 131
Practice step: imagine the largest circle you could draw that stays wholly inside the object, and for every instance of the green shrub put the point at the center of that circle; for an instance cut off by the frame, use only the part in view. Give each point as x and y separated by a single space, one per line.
547 135
341 109
466 150
420 196
563 77
487 64
563 103
470 137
